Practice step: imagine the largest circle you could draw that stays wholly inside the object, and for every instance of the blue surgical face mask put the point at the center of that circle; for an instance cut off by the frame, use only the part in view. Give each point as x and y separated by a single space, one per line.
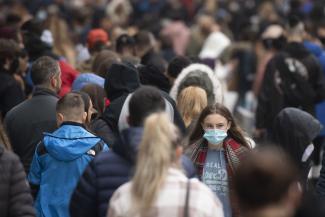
215 136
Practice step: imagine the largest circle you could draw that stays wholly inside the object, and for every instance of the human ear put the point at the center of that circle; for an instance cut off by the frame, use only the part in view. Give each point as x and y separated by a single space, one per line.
59 118
84 117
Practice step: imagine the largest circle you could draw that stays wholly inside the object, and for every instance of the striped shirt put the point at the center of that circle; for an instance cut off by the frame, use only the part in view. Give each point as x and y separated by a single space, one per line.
171 198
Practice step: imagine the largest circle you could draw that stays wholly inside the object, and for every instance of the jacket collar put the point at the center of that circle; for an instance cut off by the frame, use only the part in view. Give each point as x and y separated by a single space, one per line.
128 142
73 124
39 91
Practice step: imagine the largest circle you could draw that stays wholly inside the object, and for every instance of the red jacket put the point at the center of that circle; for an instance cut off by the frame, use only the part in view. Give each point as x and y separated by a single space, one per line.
68 75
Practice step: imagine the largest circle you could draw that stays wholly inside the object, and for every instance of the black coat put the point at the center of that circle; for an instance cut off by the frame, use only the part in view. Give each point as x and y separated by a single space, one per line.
11 94
269 99
107 172
15 197
26 123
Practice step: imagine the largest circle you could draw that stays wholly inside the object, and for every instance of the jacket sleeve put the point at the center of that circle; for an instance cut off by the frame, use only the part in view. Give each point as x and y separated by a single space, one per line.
318 81
83 200
320 187
34 176
21 201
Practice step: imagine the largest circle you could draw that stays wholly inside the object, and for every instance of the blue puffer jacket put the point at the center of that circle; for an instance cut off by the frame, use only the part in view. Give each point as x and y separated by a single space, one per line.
107 172
319 53
59 161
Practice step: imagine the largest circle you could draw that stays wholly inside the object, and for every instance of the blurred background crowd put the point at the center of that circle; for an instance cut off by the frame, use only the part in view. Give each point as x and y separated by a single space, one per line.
204 56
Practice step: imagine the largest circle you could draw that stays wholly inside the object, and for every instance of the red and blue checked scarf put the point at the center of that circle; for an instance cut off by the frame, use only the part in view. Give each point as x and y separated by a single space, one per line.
234 152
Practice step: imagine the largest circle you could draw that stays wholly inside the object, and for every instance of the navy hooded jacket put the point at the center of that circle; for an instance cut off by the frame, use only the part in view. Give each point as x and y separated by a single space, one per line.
107 172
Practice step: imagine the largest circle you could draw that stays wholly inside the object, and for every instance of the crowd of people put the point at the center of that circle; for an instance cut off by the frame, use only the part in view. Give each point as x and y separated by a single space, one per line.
118 108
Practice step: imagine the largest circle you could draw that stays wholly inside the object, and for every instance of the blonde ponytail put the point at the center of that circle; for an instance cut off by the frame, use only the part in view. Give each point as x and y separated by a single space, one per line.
156 154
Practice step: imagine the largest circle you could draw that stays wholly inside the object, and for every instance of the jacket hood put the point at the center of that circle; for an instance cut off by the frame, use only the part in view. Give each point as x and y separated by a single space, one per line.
121 79
69 142
128 143
202 76
151 75
294 130
87 78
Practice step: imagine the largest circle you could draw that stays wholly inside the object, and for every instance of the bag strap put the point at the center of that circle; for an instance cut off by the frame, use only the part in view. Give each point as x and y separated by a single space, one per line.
187 199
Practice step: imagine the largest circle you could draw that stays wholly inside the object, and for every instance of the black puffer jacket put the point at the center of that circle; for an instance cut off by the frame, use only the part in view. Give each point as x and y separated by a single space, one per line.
15 197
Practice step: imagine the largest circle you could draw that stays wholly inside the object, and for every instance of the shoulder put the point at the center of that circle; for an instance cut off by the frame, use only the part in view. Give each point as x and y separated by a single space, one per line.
234 144
109 161
8 157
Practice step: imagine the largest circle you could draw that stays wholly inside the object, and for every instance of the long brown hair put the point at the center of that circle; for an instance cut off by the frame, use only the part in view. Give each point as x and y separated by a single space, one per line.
234 131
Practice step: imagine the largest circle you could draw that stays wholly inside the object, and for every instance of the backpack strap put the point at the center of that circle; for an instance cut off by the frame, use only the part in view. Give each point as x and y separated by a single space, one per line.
96 149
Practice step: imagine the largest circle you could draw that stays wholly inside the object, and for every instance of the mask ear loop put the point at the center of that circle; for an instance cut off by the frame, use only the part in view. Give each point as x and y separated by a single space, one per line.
308 151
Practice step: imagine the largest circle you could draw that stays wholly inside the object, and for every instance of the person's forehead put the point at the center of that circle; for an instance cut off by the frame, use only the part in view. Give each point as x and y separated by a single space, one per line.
213 118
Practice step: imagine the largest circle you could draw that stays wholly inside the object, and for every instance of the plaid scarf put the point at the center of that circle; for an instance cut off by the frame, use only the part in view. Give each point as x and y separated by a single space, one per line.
234 153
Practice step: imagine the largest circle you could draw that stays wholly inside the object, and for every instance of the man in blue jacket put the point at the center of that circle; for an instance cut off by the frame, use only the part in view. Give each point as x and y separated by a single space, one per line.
61 157
110 170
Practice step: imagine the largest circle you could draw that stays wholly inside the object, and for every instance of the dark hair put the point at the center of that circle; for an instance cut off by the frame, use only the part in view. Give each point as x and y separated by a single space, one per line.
9 49
276 43
293 21
142 39
85 97
144 101
97 95
71 106
103 61
43 69
177 64
124 41
234 131
263 178
151 75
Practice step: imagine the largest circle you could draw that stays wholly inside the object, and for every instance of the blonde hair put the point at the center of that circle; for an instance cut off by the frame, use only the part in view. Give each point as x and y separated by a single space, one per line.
156 155
190 102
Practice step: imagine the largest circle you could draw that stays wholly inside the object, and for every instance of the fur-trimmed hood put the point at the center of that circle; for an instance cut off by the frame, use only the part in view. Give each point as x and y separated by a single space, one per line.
201 76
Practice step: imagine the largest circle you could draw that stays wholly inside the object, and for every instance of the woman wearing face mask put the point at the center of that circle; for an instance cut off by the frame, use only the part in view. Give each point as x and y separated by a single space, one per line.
218 146
159 187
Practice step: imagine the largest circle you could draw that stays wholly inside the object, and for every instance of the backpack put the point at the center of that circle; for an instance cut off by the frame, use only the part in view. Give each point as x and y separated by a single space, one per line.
291 81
